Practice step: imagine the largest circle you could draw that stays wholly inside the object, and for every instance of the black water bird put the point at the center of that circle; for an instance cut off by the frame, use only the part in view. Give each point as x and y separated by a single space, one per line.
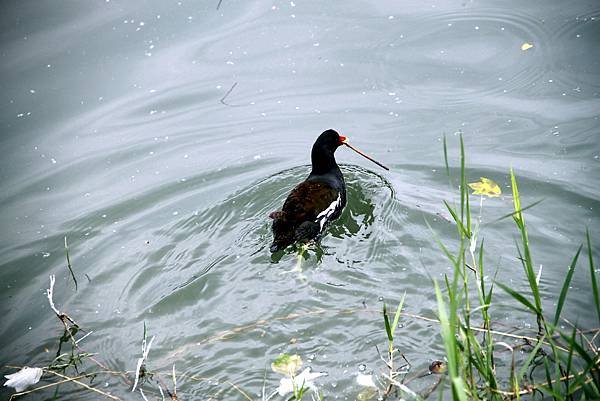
317 201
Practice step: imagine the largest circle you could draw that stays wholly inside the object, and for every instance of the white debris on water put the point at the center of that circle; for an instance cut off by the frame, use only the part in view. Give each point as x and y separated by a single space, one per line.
23 378
365 380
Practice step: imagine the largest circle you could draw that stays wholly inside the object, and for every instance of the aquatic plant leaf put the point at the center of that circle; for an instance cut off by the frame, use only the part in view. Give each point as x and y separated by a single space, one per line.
519 297
397 315
565 287
526 46
286 364
485 187
386 321
457 220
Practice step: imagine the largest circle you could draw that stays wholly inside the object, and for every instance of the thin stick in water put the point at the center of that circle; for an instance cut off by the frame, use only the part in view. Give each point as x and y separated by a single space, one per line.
69 263
228 92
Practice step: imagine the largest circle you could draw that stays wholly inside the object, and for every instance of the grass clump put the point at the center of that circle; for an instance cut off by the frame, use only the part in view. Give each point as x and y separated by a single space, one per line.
551 364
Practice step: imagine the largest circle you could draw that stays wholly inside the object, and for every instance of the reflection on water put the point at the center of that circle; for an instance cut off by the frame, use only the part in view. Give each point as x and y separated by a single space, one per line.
359 212
113 134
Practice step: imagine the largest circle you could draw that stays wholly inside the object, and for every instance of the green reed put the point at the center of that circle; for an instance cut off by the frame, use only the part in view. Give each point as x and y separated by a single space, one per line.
555 364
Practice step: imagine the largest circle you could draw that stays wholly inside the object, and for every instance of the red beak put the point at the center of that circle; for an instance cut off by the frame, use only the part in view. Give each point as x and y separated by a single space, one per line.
343 139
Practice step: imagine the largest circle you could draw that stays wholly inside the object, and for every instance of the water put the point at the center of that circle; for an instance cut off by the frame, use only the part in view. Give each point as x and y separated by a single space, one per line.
114 134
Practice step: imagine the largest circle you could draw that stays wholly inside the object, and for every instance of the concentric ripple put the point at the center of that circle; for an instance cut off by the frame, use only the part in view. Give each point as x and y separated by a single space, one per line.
480 50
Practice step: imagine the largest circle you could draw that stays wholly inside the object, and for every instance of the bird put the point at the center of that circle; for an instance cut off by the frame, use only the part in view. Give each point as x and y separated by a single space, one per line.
314 203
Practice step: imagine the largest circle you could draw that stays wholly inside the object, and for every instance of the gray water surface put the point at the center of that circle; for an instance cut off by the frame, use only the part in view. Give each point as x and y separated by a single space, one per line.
113 134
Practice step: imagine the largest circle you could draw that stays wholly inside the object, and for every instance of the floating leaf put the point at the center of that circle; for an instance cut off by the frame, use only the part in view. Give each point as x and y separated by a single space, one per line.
287 364
485 187
526 46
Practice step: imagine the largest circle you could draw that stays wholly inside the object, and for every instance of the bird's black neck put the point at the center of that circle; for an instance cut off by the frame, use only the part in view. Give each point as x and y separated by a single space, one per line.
323 161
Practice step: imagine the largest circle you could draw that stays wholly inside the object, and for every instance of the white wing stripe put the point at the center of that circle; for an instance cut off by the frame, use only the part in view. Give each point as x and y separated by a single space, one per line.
325 214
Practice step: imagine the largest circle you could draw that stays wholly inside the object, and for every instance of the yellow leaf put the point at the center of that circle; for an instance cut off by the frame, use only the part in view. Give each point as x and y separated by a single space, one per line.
485 187
526 46
287 364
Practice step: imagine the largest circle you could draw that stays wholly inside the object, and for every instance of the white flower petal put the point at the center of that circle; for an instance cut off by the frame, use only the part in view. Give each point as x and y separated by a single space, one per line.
306 379
24 378
307 376
285 386
365 380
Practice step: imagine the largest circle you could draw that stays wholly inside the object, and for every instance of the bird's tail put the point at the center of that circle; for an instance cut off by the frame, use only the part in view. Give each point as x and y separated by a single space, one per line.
283 233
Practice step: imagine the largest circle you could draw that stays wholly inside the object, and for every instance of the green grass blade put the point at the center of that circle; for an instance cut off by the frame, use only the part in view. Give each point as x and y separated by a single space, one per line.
458 389
483 298
464 188
458 222
450 345
570 359
585 355
565 287
528 269
531 276
488 298
446 156
518 216
464 192
446 330
441 245
512 214
518 297
593 274
386 321
550 390
448 287
527 364
588 356
526 256
462 176
397 315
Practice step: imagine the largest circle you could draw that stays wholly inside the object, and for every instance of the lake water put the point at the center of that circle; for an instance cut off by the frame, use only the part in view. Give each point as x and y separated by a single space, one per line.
121 131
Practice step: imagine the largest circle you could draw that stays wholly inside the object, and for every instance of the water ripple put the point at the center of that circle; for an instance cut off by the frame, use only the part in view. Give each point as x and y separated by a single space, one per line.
480 50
